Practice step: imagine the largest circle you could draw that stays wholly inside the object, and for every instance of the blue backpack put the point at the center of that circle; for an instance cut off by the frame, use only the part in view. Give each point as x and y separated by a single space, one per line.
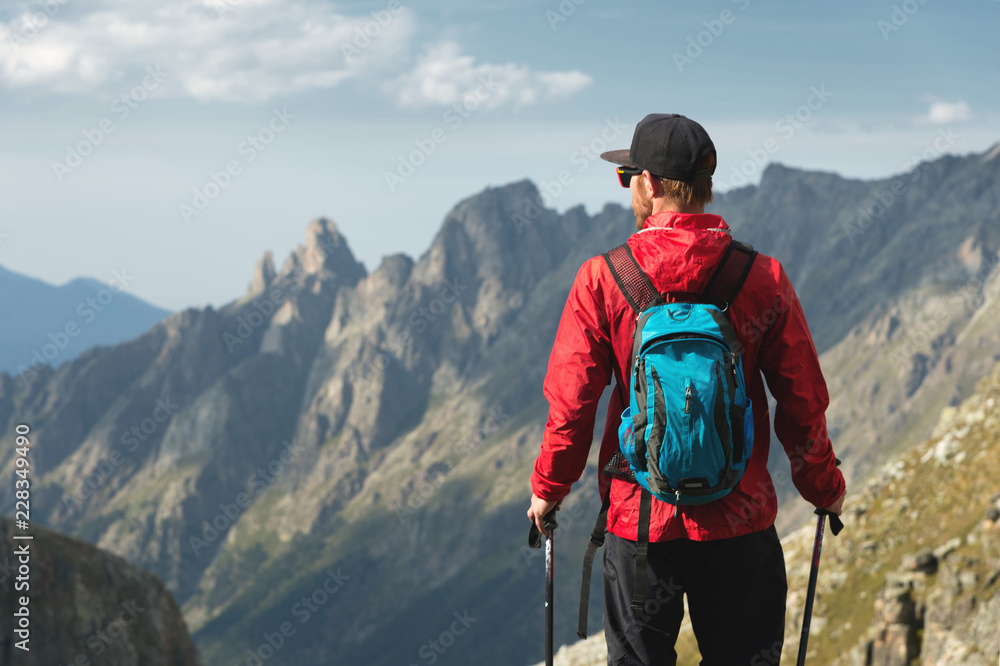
687 434
688 431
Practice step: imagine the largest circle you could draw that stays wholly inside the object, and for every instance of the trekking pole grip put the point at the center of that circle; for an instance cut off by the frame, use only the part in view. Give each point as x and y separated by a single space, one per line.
534 536
550 520
836 524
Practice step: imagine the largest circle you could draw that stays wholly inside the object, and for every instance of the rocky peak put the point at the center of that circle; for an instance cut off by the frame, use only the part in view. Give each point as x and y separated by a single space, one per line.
395 269
993 153
502 233
263 275
325 251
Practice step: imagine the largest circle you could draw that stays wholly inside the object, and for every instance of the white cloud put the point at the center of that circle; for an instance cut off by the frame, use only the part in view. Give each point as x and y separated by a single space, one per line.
444 76
943 113
230 50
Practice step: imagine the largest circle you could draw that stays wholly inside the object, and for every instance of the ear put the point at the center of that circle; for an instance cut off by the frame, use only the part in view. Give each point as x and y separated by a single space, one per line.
652 185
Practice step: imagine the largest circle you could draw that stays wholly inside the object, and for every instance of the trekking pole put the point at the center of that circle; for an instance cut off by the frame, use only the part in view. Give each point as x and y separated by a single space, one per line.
535 541
835 526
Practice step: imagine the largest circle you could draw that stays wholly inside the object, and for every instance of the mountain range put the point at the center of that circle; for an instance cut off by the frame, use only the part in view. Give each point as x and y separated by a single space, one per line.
44 324
346 454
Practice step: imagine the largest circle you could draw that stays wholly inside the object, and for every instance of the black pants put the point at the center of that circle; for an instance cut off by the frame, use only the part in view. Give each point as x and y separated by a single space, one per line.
736 594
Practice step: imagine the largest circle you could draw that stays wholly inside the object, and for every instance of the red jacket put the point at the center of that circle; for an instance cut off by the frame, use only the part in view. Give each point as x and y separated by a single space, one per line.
679 252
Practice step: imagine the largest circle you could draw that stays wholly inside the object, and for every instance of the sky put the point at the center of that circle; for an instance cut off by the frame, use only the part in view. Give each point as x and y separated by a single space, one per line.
180 139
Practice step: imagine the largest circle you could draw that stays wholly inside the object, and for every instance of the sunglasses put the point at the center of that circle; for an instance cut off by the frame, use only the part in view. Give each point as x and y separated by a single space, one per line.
625 175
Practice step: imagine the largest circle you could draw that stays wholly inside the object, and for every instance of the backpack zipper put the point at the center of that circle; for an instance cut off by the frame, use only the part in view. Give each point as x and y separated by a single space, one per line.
659 339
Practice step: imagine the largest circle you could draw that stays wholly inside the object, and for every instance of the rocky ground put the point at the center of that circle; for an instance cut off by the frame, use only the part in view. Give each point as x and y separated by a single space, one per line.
86 607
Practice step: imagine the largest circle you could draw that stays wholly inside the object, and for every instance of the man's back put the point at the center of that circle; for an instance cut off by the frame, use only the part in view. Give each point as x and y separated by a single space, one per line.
679 253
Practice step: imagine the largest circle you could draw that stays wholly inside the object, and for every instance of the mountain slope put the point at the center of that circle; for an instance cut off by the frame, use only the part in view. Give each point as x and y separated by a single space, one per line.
131 434
915 578
46 324
848 245
86 606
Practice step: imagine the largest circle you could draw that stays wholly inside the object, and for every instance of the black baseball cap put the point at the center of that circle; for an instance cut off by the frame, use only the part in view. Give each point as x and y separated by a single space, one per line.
667 145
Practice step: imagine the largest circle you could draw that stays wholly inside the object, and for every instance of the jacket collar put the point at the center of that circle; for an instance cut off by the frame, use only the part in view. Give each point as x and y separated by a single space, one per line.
671 220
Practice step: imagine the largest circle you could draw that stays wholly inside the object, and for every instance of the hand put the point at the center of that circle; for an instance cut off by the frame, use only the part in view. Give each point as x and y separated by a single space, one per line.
838 506
539 509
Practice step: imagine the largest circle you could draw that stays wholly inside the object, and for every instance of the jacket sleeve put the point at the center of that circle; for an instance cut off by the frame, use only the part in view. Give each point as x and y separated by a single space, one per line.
580 366
791 367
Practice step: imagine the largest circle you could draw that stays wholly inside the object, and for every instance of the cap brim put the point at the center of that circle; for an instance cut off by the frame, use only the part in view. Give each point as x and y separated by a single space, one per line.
619 157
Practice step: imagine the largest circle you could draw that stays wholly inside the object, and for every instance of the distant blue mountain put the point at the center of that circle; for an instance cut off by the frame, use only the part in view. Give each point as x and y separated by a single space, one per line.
41 323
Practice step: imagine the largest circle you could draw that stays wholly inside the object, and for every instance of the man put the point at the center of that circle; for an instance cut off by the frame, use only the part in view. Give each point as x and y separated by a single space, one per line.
725 555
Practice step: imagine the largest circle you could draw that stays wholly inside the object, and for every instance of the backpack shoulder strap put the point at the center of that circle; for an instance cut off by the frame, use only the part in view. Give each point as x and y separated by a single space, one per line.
729 275
635 285
722 289
640 294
